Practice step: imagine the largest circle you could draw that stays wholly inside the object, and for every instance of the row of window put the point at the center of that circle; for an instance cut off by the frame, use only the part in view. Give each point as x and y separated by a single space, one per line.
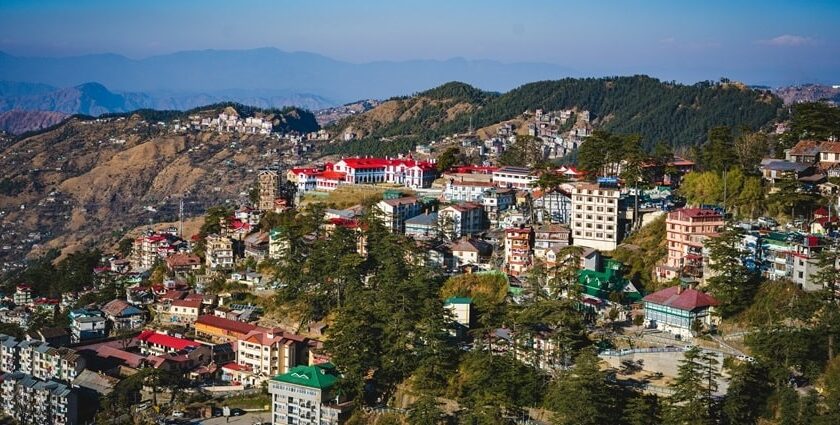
598 235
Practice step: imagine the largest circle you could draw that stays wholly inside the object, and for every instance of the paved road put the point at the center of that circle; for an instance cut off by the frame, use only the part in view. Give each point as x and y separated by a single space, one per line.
246 419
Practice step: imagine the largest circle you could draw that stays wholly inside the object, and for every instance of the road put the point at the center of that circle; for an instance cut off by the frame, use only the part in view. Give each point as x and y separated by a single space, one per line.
246 419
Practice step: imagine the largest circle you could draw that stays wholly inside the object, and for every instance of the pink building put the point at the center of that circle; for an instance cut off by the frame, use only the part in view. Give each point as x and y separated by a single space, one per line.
687 229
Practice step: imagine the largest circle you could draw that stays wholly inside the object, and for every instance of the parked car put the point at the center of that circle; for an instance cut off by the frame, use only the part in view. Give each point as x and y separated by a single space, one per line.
237 412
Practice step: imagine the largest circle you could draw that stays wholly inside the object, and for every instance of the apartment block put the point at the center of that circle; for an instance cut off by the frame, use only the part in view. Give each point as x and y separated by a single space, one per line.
687 229
596 215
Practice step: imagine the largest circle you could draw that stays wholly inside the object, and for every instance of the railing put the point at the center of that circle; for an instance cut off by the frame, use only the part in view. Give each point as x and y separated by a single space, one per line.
628 351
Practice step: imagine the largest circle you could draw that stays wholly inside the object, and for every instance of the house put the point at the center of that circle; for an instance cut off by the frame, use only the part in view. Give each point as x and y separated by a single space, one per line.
306 395
465 190
181 262
553 206
460 308
550 236
257 246
214 328
185 311
518 243
269 352
607 287
423 226
679 310
218 252
687 229
596 215
55 336
466 251
22 295
805 152
496 201
396 211
155 343
466 218
123 316
774 170
514 177
87 327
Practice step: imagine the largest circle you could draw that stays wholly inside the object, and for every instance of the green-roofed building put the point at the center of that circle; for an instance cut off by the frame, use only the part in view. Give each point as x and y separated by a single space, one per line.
461 309
597 286
306 395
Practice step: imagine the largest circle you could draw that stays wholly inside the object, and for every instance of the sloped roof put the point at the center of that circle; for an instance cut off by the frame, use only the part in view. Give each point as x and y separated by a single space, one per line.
322 376
805 147
687 299
152 337
225 324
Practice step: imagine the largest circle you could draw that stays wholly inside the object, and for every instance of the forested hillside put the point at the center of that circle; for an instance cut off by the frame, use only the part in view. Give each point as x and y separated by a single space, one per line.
681 115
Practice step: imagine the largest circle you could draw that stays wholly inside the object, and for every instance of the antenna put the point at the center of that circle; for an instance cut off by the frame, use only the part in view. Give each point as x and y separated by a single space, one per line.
181 217
471 127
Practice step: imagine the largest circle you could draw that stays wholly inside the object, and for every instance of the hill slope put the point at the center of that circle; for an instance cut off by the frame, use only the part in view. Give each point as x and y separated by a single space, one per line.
679 114
18 122
85 180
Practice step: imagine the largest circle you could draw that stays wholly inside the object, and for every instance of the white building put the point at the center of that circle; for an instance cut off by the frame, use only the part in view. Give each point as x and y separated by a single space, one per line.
306 395
596 216
396 211
514 177
31 400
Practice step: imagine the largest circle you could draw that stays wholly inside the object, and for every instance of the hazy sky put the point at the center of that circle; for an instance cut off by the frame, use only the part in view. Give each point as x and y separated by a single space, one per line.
754 41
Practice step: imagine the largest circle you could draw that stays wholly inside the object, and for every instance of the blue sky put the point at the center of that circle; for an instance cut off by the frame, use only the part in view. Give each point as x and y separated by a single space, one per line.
753 41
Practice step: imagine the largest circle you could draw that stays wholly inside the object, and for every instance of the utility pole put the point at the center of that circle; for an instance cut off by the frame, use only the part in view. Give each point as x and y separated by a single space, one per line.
181 218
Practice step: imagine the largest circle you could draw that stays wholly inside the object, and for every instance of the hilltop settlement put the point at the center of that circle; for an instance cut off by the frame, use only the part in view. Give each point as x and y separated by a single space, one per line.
539 269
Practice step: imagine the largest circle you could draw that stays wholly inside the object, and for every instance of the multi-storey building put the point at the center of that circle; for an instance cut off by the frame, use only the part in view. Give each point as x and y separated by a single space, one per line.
514 177
687 229
39 359
87 324
31 400
402 171
23 295
518 243
465 190
8 353
596 215
466 218
269 181
151 247
270 352
550 236
154 343
218 252
553 206
396 211
497 201
306 395
122 315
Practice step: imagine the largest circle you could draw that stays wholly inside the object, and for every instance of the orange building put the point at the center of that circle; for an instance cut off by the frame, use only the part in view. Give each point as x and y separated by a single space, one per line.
687 229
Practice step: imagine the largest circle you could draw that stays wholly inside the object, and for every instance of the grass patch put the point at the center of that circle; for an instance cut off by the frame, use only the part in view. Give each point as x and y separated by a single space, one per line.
250 401
350 195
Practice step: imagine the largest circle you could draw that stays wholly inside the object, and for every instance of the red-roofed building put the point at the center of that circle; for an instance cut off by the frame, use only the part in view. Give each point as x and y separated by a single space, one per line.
154 343
402 171
678 310
214 328
270 352
687 229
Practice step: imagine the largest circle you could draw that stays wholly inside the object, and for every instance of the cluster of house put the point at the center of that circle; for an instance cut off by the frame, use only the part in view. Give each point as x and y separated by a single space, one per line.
226 122
809 161
22 305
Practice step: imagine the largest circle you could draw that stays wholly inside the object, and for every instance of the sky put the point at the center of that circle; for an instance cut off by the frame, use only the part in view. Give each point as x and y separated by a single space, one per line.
758 42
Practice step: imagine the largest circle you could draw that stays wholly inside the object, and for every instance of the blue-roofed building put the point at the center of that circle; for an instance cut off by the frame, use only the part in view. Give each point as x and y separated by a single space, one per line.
422 227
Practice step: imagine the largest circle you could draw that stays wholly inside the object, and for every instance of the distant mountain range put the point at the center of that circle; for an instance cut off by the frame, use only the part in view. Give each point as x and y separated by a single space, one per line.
266 74
808 93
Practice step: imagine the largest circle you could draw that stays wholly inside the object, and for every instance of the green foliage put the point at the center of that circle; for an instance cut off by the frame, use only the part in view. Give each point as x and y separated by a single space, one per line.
526 151
602 152
11 187
718 153
425 411
746 398
583 395
72 274
125 246
11 329
652 249
212 223
487 380
732 283
692 401
743 195
679 114
818 121
449 158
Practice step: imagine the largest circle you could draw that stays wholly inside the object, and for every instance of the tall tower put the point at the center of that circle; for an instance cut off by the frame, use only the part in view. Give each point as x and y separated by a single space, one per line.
269 182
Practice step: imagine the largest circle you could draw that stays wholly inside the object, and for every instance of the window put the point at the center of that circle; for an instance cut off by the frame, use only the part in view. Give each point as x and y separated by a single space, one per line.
577 232
609 235
599 226
599 235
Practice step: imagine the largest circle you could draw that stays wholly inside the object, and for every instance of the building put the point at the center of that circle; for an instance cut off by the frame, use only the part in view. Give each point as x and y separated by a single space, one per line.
88 327
462 190
514 177
466 218
469 251
181 262
185 311
123 316
596 215
270 352
496 201
157 344
401 171
774 170
606 287
518 243
31 400
687 229
423 226
23 295
269 181
220 329
679 310
218 252
805 151
306 396
43 361
396 211
460 308
550 236
554 206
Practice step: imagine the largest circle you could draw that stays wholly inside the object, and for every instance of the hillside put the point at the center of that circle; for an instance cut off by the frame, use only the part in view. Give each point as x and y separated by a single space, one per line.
808 93
679 114
84 181
19 122
95 99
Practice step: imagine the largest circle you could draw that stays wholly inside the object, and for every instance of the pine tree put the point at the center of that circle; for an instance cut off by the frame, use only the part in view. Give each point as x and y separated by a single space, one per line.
732 283
691 404
746 398
643 410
